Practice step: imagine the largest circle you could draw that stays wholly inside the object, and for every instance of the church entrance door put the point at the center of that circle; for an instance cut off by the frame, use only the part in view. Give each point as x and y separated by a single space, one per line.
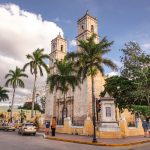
64 114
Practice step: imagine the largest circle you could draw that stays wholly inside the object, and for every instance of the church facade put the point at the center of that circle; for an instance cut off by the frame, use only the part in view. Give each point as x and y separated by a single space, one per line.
79 102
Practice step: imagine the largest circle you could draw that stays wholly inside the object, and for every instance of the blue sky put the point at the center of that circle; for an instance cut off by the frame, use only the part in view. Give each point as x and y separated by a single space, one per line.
22 30
119 20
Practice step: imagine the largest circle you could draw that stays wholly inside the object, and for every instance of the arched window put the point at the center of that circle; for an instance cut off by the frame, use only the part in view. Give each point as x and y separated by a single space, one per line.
53 45
61 48
82 27
92 28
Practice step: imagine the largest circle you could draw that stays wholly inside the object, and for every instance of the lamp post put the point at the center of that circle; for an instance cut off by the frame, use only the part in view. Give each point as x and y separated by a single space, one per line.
36 102
98 108
94 121
9 110
21 114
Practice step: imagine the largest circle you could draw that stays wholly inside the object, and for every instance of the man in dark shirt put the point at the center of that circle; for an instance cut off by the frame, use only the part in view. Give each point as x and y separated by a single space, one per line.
47 127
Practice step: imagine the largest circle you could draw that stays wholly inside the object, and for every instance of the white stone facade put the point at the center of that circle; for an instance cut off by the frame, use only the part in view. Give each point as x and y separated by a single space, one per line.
80 101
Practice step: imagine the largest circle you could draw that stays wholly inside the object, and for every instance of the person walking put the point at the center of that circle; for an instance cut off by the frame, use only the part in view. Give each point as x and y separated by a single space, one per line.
145 126
148 125
53 126
47 127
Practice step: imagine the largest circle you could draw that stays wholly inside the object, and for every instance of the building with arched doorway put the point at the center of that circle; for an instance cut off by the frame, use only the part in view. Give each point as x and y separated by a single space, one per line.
79 102
76 116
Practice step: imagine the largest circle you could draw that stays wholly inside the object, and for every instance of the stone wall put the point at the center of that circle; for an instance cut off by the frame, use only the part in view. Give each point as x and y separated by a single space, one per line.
131 131
87 129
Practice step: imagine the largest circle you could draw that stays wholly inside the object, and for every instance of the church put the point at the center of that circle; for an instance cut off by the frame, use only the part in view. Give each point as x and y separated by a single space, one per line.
78 120
79 102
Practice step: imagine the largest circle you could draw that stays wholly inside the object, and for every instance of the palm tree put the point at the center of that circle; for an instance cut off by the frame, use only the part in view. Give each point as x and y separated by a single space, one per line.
90 61
64 79
36 64
3 94
15 80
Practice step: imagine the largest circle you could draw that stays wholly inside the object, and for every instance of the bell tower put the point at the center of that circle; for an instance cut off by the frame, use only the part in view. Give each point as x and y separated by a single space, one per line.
86 26
58 51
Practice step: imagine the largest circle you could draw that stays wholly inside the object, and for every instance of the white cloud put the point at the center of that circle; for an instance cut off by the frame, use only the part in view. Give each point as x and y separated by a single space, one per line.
73 43
113 73
21 32
118 63
57 19
146 47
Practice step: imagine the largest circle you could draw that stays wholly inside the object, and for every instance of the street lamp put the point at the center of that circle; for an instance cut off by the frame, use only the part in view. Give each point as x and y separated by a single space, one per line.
94 119
9 112
21 115
36 101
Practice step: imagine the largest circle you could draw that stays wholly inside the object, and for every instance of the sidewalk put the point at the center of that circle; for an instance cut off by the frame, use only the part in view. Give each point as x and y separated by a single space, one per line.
101 142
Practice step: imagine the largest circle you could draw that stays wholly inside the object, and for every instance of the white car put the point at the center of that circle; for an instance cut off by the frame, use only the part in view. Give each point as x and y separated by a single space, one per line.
27 128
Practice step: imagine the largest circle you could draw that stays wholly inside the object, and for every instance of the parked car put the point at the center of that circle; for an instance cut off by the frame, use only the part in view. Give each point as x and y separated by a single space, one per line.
9 127
27 128
1 126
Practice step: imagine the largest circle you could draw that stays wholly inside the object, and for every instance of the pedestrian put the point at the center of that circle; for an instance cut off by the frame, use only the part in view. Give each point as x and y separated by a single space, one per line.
47 127
148 125
145 126
136 122
53 126
137 119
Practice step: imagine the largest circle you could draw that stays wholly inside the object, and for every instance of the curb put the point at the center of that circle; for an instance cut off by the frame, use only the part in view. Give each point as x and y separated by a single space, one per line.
97 144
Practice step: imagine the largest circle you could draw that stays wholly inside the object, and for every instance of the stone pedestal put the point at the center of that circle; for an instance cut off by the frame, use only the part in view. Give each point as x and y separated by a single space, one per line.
111 126
108 115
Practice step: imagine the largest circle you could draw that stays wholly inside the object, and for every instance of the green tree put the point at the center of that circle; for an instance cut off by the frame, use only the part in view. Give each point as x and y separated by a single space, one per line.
142 79
43 101
63 80
28 106
14 79
3 94
90 61
130 60
136 68
122 89
36 64
141 109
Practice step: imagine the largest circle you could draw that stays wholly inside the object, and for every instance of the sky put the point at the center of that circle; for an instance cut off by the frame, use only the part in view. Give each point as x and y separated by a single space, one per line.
26 25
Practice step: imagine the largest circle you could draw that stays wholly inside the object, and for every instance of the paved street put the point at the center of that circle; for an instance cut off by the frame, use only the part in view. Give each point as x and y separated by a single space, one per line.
13 141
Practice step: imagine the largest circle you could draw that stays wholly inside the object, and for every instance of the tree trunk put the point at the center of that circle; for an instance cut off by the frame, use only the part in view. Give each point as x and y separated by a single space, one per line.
33 97
12 104
93 110
148 100
65 105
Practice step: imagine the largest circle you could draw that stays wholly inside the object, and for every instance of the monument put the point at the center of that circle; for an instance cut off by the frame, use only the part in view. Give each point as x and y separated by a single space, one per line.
108 114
